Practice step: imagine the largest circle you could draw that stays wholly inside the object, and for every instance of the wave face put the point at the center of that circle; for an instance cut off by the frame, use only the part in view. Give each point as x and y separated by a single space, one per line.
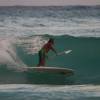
69 20
84 60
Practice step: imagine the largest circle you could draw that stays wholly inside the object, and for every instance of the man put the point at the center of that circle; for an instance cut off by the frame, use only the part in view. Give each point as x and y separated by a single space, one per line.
44 51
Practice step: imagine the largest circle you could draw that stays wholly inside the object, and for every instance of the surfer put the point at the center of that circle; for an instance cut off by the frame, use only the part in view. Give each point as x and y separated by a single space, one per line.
44 51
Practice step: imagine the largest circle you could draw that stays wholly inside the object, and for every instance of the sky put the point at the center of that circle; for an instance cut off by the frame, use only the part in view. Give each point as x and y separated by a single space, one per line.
48 2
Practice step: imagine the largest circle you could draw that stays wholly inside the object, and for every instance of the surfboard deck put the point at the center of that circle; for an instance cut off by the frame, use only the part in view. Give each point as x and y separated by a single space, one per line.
59 70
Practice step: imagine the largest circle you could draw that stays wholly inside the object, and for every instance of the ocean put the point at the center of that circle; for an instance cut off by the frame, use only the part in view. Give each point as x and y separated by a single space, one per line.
24 30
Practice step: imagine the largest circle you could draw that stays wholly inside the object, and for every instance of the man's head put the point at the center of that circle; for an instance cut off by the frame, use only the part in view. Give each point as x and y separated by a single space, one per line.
51 40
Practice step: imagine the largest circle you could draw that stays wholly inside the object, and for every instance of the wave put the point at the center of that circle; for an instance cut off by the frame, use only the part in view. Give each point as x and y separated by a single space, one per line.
18 52
50 88
73 92
67 20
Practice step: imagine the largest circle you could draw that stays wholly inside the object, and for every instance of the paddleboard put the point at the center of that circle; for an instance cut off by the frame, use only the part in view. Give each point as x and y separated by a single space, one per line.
58 70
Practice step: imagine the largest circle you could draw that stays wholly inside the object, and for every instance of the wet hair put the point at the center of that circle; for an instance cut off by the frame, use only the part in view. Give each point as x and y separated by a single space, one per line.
51 40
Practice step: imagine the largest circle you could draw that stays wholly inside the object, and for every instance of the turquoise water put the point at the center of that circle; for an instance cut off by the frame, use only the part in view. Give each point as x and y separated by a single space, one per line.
84 60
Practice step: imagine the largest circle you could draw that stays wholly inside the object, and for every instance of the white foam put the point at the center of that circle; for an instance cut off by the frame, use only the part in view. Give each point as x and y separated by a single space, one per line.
52 26
8 53
66 90
32 44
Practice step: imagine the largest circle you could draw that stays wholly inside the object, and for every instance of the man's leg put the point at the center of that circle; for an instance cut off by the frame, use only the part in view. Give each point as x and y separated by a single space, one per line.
41 58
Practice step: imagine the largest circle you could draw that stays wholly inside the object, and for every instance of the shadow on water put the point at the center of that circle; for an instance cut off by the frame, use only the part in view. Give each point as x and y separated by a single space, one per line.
48 78
9 76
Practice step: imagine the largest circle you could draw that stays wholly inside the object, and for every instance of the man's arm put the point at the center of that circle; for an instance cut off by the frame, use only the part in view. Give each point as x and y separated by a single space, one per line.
52 48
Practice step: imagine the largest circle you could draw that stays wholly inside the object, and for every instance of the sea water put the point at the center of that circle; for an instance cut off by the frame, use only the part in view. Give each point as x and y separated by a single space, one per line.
24 30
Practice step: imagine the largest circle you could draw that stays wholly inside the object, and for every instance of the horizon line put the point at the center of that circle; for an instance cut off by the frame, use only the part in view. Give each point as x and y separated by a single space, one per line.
47 5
